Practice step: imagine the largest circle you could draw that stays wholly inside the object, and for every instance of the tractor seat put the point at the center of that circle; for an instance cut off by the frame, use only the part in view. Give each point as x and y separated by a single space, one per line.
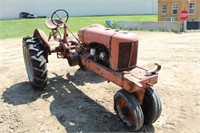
51 26
55 32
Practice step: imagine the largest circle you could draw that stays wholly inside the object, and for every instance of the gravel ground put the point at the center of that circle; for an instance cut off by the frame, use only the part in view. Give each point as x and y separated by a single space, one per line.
81 101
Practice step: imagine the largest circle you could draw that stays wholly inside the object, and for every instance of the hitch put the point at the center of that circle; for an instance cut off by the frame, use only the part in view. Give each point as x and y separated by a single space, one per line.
154 72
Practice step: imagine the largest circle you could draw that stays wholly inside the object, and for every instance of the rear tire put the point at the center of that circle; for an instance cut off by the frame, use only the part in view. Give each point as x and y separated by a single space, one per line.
129 110
151 106
35 62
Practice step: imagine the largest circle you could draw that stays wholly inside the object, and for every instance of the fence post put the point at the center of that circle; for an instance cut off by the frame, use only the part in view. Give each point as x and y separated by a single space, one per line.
184 26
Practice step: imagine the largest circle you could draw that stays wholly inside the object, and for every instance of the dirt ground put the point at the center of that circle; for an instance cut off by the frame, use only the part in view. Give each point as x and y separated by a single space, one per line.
81 101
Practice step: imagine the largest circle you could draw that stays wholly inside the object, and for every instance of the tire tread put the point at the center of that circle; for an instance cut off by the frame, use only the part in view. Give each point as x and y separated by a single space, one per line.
38 61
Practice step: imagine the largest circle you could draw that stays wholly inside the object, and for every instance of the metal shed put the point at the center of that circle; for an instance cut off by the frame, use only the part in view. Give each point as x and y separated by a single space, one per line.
10 9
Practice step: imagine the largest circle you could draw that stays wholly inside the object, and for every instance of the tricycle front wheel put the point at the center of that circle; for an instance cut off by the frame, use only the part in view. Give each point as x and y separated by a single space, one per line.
151 106
128 109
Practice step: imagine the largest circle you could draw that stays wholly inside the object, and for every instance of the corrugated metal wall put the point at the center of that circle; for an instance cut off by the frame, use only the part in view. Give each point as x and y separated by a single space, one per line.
10 9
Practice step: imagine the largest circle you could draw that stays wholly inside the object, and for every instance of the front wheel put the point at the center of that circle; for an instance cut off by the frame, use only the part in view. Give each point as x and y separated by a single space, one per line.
35 62
151 106
128 109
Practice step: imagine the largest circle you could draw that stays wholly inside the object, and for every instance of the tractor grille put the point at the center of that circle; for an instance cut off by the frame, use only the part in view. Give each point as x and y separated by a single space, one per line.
124 55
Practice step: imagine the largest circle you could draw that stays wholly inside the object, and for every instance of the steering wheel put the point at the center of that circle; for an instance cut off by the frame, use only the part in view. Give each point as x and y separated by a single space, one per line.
56 17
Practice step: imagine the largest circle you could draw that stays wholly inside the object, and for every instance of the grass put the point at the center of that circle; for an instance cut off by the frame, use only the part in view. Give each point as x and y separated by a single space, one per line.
23 27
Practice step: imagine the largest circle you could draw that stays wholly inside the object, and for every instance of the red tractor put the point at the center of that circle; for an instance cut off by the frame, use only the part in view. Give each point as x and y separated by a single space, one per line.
109 53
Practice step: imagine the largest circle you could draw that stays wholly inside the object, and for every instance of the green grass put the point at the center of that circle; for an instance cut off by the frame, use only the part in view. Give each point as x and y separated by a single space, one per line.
24 27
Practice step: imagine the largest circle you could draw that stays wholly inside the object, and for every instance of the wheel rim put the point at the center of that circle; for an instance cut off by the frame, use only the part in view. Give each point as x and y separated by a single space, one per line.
124 112
28 64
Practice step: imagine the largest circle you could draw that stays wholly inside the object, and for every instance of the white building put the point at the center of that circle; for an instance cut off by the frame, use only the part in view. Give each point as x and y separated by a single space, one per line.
10 9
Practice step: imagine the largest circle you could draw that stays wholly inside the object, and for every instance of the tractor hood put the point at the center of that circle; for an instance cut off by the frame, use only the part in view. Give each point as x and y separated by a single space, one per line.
99 34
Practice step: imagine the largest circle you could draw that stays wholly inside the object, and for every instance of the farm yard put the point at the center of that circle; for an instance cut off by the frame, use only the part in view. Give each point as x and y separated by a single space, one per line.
81 101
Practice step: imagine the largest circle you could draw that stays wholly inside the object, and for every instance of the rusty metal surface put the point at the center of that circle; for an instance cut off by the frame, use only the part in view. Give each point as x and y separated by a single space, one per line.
139 77
133 81
122 46
44 41
51 26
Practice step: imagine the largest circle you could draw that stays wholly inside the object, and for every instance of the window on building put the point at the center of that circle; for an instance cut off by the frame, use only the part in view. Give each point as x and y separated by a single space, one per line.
175 8
164 10
191 8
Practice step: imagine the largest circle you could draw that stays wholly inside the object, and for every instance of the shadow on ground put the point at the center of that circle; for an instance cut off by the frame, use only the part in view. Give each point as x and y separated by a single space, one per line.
73 109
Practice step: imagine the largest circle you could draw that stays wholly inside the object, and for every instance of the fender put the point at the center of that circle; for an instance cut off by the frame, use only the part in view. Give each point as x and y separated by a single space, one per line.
43 41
